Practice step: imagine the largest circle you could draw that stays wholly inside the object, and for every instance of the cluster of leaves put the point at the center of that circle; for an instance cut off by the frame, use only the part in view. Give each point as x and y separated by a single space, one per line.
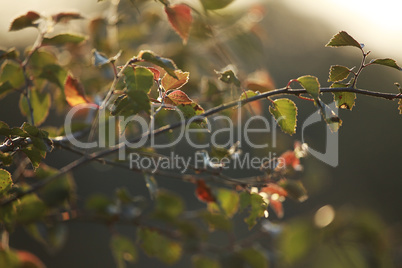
46 196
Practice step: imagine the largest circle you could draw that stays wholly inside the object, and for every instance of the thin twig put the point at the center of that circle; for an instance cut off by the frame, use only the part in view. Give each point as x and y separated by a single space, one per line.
88 158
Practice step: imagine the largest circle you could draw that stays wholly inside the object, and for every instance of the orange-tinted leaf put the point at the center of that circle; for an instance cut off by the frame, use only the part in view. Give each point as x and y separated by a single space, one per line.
203 192
290 159
169 82
177 97
25 21
155 71
27 259
273 188
276 205
180 19
260 81
74 91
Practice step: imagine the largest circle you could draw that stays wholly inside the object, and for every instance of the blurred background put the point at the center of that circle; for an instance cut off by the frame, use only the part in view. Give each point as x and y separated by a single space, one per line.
287 40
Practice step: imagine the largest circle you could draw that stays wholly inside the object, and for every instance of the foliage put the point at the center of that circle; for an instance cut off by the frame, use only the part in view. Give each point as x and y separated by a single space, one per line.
42 199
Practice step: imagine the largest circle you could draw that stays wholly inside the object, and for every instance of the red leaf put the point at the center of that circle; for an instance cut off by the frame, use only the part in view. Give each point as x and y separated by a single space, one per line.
180 19
276 205
27 259
156 72
25 21
169 82
177 97
203 192
74 91
290 159
66 17
273 188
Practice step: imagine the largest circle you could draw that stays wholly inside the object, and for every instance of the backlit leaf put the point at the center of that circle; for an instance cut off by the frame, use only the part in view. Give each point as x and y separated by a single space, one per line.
204 262
30 209
40 102
344 100
180 19
5 88
6 159
227 201
12 53
310 84
247 94
254 258
191 110
55 74
285 113
203 192
157 245
123 250
290 160
177 97
138 78
276 205
74 91
257 207
5 181
25 21
386 62
167 64
273 188
34 155
215 4
169 82
63 39
216 221
338 73
343 39
11 72
168 205
400 106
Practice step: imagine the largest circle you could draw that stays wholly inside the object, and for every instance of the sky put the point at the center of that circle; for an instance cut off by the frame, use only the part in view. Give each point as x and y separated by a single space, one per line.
376 24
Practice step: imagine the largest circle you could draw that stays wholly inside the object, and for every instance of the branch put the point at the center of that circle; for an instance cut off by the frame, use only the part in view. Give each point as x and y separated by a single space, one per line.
91 157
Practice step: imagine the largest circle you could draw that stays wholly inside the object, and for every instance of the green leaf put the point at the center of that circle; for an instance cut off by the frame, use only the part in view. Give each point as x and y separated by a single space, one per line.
5 88
30 209
57 192
10 259
6 158
99 59
257 207
123 250
216 221
167 64
63 39
39 59
40 103
310 84
400 106
200 261
151 184
12 54
247 94
156 245
215 4
343 39
11 72
191 110
338 73
53 236
55 74
168 205
285 113
386 62
254 258
34 155
99 204
295 189
5 181
138 79
229 77
344 100
25 21
227 202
